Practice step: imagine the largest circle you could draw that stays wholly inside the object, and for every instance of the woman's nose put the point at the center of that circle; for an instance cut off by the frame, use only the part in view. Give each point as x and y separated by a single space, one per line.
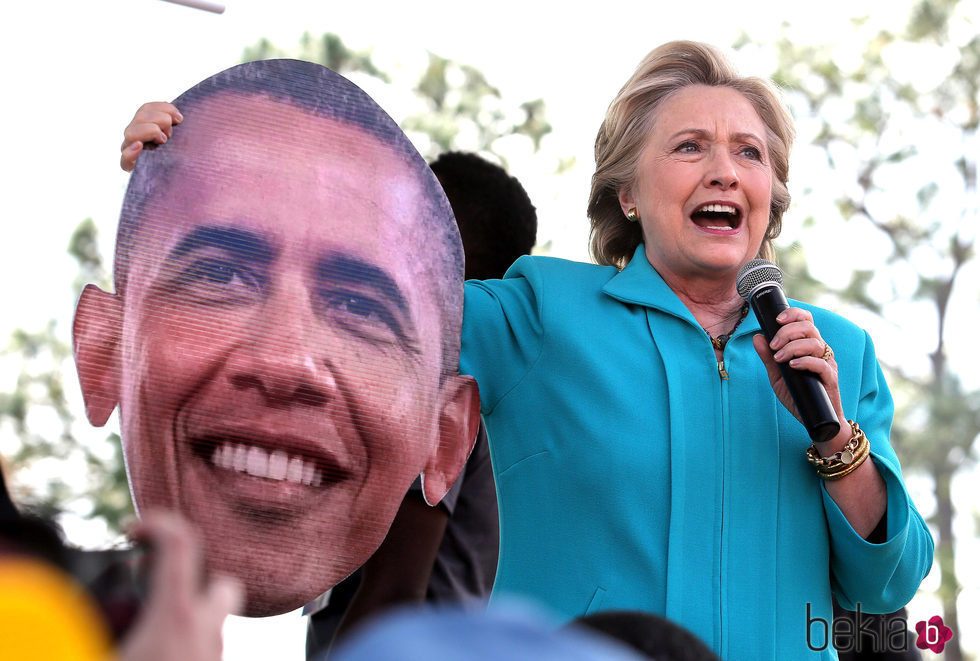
721 172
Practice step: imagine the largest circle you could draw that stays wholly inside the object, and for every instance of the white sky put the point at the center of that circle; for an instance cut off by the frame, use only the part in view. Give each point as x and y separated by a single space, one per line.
76 71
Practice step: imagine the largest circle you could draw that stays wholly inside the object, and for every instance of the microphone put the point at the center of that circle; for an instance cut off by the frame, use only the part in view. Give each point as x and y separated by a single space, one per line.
759 282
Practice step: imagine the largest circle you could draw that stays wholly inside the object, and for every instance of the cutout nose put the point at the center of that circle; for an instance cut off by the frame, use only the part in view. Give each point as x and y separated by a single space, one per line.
282 360
284 381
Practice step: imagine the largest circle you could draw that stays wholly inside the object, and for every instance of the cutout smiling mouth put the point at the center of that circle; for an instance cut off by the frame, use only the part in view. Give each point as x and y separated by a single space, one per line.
717 216
279 465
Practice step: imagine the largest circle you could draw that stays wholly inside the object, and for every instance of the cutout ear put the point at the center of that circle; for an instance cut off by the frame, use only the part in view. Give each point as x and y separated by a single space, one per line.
96 337
459 421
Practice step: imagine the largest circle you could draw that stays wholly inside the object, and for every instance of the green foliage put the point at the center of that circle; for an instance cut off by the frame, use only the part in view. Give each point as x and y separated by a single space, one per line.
857 290
84 247
328 50
109 491
37 415
796 275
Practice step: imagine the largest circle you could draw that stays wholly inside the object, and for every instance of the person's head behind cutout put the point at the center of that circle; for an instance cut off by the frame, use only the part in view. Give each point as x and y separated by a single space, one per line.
496 219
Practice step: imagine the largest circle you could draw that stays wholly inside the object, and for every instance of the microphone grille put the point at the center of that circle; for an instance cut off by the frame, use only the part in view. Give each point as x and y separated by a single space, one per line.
755 273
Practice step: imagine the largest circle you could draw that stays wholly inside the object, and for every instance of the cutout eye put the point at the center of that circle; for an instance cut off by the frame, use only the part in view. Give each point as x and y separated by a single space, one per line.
362 315
688 147
219 281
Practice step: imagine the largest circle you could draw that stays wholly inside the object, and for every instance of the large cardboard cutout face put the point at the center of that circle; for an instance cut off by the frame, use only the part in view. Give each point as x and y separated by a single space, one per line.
283 340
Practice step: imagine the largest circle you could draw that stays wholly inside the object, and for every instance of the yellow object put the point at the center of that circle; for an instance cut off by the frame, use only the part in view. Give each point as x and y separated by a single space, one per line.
45 615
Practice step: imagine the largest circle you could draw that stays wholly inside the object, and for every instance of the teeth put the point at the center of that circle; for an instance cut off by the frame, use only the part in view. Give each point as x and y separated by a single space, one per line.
278 461
255 461
294 470
719 208
240 459
715 227
258 462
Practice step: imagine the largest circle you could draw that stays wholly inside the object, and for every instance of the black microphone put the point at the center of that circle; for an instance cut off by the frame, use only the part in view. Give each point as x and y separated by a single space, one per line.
759 282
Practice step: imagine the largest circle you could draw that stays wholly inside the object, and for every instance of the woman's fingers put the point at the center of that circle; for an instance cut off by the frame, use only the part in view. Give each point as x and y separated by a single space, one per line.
153 122
127 160
762 348
798 345
806 346
795 324
798 338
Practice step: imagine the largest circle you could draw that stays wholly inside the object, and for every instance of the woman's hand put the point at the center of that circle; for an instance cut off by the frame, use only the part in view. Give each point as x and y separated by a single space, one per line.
182 619
799 344
153 122
861 496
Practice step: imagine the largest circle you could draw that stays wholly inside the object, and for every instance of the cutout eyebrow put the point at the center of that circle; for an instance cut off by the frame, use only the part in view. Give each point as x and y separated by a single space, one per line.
339 267
245 245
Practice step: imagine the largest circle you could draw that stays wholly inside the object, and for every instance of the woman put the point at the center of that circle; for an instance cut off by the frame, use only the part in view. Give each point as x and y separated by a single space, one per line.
645 457
645 448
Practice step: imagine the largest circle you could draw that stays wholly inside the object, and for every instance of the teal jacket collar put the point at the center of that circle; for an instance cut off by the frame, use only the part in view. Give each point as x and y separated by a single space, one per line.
640 284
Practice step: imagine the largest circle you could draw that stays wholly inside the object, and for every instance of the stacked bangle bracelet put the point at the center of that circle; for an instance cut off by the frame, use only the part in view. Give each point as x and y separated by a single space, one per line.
844 462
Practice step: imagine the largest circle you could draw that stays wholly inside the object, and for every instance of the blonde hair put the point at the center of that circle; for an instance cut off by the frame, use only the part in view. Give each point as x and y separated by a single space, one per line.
630 118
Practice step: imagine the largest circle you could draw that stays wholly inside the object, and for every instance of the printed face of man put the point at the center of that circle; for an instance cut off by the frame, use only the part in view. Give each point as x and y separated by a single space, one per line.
278 367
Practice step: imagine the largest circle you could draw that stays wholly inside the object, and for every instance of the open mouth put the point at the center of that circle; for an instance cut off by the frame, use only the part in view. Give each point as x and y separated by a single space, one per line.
717 217
277 464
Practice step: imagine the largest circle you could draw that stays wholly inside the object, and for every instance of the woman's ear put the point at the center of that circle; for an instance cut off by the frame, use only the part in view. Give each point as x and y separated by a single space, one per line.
96 337
626 201
459 421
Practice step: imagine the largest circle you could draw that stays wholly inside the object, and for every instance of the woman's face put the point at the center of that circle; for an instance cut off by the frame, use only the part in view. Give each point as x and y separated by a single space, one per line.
703 185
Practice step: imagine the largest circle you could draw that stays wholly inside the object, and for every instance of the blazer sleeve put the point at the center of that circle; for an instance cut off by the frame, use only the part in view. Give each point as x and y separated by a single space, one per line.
502 330
881 577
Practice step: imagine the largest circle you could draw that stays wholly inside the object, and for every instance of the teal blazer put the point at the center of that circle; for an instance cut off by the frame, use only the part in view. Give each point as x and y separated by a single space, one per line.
630 475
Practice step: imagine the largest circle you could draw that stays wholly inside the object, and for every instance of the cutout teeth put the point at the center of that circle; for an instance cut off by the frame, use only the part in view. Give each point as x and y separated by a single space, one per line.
276 465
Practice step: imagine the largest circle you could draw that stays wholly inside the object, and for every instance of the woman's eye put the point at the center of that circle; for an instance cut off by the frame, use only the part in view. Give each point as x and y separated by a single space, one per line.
753 153
688 148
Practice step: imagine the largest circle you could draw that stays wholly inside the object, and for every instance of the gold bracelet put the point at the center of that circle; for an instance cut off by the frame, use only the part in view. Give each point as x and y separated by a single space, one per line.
863 451
844 461
848 457
845 455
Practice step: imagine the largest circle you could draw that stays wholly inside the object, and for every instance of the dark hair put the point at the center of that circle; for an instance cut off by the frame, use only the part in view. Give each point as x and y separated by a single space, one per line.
322 93
654 637
496 219
29 534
